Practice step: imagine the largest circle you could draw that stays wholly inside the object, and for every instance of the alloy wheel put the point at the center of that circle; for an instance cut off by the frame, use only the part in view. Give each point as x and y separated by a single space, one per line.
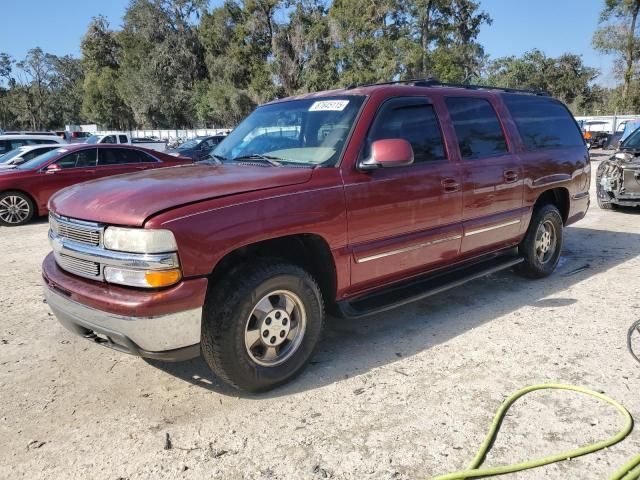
275 328
14 209
545 243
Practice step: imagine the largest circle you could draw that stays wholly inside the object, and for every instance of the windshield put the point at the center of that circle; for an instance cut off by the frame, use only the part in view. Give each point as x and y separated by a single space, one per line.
93 139
193 143
304 132
632 142
7 157
41 160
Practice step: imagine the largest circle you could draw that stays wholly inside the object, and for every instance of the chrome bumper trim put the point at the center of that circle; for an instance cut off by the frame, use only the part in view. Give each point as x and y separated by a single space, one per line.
152 334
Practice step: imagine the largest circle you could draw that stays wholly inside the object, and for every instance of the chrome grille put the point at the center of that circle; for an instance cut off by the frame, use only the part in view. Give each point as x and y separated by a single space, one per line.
80 232
78 266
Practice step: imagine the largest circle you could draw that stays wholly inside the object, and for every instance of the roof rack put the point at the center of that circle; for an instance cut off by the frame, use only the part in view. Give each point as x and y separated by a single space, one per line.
432 82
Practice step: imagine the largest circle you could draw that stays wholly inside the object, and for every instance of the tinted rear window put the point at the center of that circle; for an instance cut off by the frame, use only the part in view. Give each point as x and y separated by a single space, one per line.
543 122
477 127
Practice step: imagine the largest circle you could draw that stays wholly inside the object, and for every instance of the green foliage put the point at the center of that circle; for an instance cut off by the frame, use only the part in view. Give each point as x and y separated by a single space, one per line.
618 35
565 77
180 63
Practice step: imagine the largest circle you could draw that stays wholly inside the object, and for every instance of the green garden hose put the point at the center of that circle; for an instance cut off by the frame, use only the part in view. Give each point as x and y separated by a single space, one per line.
629 471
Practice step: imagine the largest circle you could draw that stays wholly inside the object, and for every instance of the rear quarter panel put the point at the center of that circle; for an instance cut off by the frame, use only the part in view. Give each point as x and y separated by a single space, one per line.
544 170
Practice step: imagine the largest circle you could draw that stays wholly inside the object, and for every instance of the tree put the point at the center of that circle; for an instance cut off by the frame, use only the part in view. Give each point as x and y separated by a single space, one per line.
565 77
365 37
161 61
302 47
102 102
618 35
32 84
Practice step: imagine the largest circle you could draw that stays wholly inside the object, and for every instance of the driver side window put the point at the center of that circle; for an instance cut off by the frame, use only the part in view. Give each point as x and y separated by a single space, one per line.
414 120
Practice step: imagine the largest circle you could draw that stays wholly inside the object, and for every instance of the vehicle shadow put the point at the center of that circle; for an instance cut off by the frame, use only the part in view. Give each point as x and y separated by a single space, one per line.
353 347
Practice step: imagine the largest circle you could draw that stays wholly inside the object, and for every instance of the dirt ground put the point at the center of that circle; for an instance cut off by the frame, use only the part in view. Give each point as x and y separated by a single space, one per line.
403 395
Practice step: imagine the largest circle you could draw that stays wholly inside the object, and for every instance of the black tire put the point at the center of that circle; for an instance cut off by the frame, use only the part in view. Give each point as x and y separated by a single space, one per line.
537 264
229 309
13 218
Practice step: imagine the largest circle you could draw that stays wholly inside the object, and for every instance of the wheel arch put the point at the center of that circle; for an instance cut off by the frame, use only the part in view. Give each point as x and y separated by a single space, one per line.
306 250
555 196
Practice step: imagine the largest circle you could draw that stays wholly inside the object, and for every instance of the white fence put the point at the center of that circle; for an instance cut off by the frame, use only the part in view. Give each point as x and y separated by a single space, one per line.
170 134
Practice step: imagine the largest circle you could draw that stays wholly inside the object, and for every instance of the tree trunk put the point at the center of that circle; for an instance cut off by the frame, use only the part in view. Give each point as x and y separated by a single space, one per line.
630 54
424 38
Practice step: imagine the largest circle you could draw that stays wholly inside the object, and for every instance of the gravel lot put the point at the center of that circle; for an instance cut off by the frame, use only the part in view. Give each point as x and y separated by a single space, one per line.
404 395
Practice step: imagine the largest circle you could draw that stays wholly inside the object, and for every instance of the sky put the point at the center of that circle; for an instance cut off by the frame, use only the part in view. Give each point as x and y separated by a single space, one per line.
553 26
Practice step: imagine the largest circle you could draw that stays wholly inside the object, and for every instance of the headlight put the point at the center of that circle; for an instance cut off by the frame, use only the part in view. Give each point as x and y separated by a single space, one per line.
139 240
142 278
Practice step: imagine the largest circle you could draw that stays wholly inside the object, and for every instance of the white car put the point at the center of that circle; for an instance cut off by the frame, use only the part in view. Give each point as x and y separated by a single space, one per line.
11 142
22 154
125 138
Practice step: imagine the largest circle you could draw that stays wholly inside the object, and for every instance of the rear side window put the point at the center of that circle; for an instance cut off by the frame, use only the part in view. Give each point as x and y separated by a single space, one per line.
543 122
83 158
414 120
477 127
123 138
121 156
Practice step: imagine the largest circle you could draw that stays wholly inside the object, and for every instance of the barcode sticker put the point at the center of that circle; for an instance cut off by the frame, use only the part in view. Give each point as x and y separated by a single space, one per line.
329 106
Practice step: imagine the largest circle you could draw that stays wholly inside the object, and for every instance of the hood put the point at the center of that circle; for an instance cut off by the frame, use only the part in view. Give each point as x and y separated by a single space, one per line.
132 198
178 151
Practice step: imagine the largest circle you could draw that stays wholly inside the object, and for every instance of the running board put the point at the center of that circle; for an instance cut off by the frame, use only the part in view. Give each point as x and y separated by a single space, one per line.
423 287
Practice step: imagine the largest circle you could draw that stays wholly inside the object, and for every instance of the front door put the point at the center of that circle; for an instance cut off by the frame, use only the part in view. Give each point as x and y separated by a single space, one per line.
491 175
76 167
404 219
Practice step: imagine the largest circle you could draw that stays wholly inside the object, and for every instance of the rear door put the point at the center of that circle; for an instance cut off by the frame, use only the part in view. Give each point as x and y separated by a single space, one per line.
113 161
404 219
491 176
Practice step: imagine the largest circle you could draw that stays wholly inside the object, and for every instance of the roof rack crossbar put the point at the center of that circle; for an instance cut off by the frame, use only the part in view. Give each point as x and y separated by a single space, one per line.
431 82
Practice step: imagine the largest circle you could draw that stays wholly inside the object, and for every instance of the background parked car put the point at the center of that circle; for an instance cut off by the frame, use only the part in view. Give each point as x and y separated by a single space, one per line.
25 189
120 138
75 137
24 154
11 142
596 133
197 148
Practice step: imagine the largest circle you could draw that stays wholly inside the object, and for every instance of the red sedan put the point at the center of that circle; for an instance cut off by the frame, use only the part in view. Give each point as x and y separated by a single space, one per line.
26 189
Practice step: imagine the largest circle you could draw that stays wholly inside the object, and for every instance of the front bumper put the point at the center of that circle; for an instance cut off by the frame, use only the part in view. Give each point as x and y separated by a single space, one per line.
171 337
629 201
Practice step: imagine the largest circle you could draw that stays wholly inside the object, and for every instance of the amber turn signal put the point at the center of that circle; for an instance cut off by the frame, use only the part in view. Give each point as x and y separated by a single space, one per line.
162 278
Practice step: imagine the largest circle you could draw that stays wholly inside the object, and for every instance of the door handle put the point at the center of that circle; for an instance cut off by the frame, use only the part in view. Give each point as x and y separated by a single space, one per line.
510 176
450 185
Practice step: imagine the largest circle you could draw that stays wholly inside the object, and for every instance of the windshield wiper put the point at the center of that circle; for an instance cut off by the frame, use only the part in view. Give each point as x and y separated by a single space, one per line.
273 161
213 156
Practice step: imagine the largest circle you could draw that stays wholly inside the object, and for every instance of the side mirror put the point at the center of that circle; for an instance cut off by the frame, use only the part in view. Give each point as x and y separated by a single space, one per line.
392 152
52 168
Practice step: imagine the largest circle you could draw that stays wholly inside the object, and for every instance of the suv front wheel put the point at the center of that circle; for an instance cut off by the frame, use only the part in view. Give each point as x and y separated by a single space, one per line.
260 327
542 244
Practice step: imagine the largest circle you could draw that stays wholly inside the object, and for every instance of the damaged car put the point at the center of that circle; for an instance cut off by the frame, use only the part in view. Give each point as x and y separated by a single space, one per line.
618 178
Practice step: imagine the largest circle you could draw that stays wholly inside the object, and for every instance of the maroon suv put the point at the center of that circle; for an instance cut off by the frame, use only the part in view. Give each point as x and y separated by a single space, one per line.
352 201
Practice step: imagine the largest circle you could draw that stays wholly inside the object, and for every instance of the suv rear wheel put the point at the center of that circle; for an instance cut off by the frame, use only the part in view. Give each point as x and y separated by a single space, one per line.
542 244
261 326
15 209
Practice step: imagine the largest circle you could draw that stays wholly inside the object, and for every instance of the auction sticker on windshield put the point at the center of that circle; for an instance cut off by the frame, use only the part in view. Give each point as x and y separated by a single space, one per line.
329 106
